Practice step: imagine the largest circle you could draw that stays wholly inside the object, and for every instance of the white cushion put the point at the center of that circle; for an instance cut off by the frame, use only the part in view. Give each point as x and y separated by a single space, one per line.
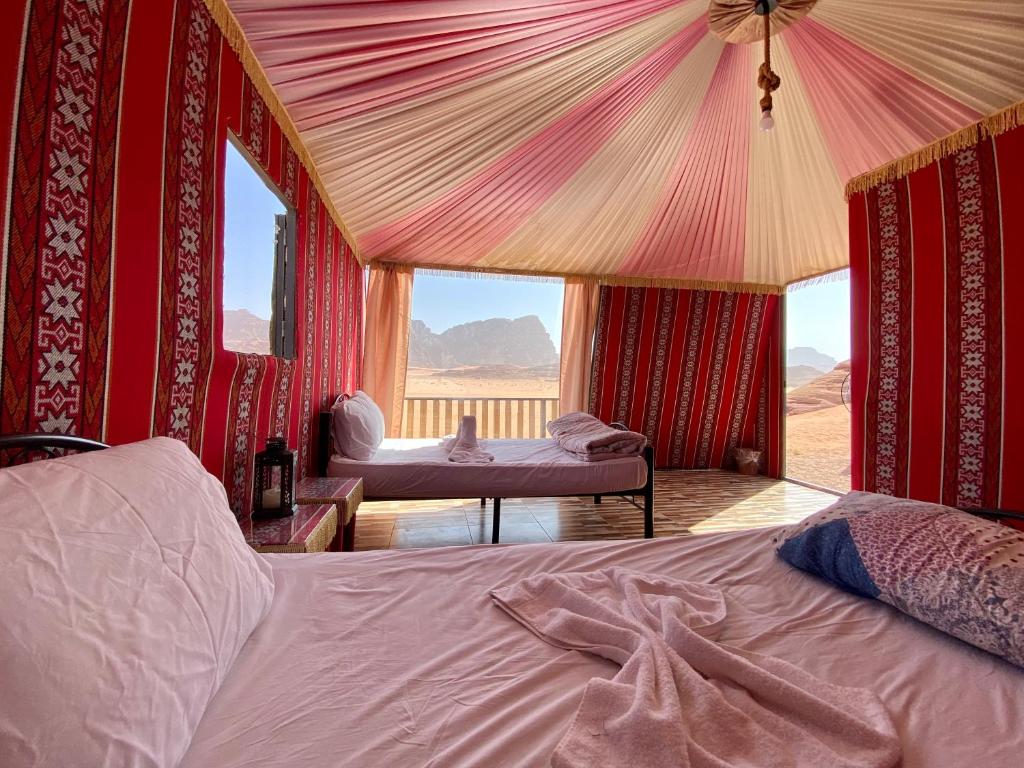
358 425
127 591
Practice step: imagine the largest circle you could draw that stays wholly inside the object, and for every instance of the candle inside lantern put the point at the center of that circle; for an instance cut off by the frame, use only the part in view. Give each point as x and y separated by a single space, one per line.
272 498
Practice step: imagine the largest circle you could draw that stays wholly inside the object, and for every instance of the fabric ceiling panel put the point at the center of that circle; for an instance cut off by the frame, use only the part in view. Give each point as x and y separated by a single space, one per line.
970 50
797 224
904 113
436 143
327 74
591 222
482 212
696 230
615 138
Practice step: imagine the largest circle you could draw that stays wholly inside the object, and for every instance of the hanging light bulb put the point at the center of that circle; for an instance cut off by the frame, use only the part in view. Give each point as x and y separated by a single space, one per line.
767 121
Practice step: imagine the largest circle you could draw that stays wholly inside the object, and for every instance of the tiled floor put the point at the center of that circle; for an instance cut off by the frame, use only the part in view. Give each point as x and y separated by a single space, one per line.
685 503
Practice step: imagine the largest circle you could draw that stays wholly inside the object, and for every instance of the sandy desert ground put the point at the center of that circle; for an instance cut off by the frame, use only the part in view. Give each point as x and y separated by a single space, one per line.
426 382
818 447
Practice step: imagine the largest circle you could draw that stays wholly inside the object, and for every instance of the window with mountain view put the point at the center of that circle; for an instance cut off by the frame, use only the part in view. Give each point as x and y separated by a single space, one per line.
486 346
259 275
817 383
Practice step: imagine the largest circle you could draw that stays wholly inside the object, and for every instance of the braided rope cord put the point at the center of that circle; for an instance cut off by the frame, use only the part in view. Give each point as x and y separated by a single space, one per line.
767 80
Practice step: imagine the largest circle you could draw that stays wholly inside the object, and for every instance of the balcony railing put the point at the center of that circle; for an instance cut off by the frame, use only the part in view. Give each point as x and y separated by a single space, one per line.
496 417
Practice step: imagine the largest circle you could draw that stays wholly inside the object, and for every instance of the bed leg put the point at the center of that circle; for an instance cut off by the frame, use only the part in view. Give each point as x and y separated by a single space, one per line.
495 520
597 499
649 494
483 502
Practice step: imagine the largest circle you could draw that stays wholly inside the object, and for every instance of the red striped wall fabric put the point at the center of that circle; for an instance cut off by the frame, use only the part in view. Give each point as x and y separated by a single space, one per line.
938 313
698 372
114 151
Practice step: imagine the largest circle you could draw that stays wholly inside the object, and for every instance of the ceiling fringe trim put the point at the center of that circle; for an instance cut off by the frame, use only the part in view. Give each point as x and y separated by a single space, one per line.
232 31
623 280
993 125
463 274
840 275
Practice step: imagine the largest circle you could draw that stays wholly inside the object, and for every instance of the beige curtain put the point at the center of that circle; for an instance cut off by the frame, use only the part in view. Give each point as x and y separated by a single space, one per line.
579 319
386 345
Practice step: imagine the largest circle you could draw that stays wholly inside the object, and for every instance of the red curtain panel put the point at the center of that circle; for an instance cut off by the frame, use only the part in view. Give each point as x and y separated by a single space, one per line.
113 268
695 371
938 313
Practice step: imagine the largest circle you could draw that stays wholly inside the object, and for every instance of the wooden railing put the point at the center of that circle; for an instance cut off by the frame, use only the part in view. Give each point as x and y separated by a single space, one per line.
496 417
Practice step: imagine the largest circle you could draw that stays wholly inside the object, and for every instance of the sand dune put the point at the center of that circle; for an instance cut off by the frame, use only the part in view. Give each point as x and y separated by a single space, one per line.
480 382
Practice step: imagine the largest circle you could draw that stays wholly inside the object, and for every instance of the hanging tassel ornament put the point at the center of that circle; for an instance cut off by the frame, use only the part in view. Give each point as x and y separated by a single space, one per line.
767 80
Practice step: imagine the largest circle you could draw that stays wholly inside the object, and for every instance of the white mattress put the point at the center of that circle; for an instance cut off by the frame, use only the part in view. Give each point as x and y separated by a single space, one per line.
420 469
400 659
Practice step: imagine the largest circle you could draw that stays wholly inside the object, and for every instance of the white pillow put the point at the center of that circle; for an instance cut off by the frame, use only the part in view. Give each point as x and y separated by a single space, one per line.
358 425
127 591
376 416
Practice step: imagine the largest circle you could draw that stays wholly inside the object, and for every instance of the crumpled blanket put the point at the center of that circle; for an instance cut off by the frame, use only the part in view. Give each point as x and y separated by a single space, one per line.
588 438
463 448
682 699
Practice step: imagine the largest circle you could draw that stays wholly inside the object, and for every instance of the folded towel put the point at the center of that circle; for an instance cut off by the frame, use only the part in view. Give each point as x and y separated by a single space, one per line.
464 447
590 439
682 699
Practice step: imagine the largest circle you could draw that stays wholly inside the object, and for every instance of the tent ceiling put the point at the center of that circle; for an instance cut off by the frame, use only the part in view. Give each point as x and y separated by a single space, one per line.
619 138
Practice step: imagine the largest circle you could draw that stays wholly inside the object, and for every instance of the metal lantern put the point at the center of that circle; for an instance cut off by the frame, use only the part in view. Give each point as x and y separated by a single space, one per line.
274 480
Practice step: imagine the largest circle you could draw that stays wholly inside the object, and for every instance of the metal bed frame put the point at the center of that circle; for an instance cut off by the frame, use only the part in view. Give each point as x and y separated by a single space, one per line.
19 448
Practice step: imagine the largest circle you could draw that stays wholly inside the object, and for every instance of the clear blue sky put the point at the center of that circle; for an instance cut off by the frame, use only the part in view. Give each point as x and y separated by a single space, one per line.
249 209
442 302
819 316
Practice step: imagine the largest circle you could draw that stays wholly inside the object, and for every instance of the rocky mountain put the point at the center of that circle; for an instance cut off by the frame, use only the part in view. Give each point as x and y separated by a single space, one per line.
521 342
245 332
812 358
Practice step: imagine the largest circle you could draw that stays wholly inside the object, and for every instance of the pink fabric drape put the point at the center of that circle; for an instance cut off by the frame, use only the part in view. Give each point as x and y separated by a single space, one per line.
579 318
386 355
618 138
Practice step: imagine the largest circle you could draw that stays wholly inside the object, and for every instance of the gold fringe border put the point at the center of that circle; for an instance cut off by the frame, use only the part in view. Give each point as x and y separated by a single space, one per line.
993 125
232 31
526 275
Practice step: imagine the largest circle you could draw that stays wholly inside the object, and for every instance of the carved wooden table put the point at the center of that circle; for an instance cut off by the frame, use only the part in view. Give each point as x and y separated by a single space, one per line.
345 493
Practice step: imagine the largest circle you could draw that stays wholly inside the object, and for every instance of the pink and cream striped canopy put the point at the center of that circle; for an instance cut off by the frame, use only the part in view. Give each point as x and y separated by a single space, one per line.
619 138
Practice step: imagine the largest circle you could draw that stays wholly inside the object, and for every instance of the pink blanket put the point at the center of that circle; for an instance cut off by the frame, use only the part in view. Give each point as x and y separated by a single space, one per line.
681 699
590 439
464 448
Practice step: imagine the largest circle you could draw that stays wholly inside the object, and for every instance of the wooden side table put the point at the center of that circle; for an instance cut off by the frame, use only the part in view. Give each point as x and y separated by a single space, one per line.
313 528
345 493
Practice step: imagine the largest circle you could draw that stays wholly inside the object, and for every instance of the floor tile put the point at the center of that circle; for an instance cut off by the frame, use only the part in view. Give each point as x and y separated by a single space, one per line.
443 536
510 533
425 520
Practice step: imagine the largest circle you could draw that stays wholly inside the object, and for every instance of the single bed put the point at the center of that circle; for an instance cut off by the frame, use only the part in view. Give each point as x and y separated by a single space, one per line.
420 469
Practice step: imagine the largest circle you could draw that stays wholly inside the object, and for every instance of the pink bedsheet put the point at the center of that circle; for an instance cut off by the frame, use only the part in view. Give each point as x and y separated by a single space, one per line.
410 469
401 659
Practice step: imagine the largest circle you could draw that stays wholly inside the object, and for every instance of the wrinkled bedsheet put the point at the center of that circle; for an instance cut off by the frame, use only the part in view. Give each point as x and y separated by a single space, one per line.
400 658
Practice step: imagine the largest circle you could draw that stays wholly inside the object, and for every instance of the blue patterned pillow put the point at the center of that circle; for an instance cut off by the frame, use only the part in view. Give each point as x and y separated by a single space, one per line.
958 573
